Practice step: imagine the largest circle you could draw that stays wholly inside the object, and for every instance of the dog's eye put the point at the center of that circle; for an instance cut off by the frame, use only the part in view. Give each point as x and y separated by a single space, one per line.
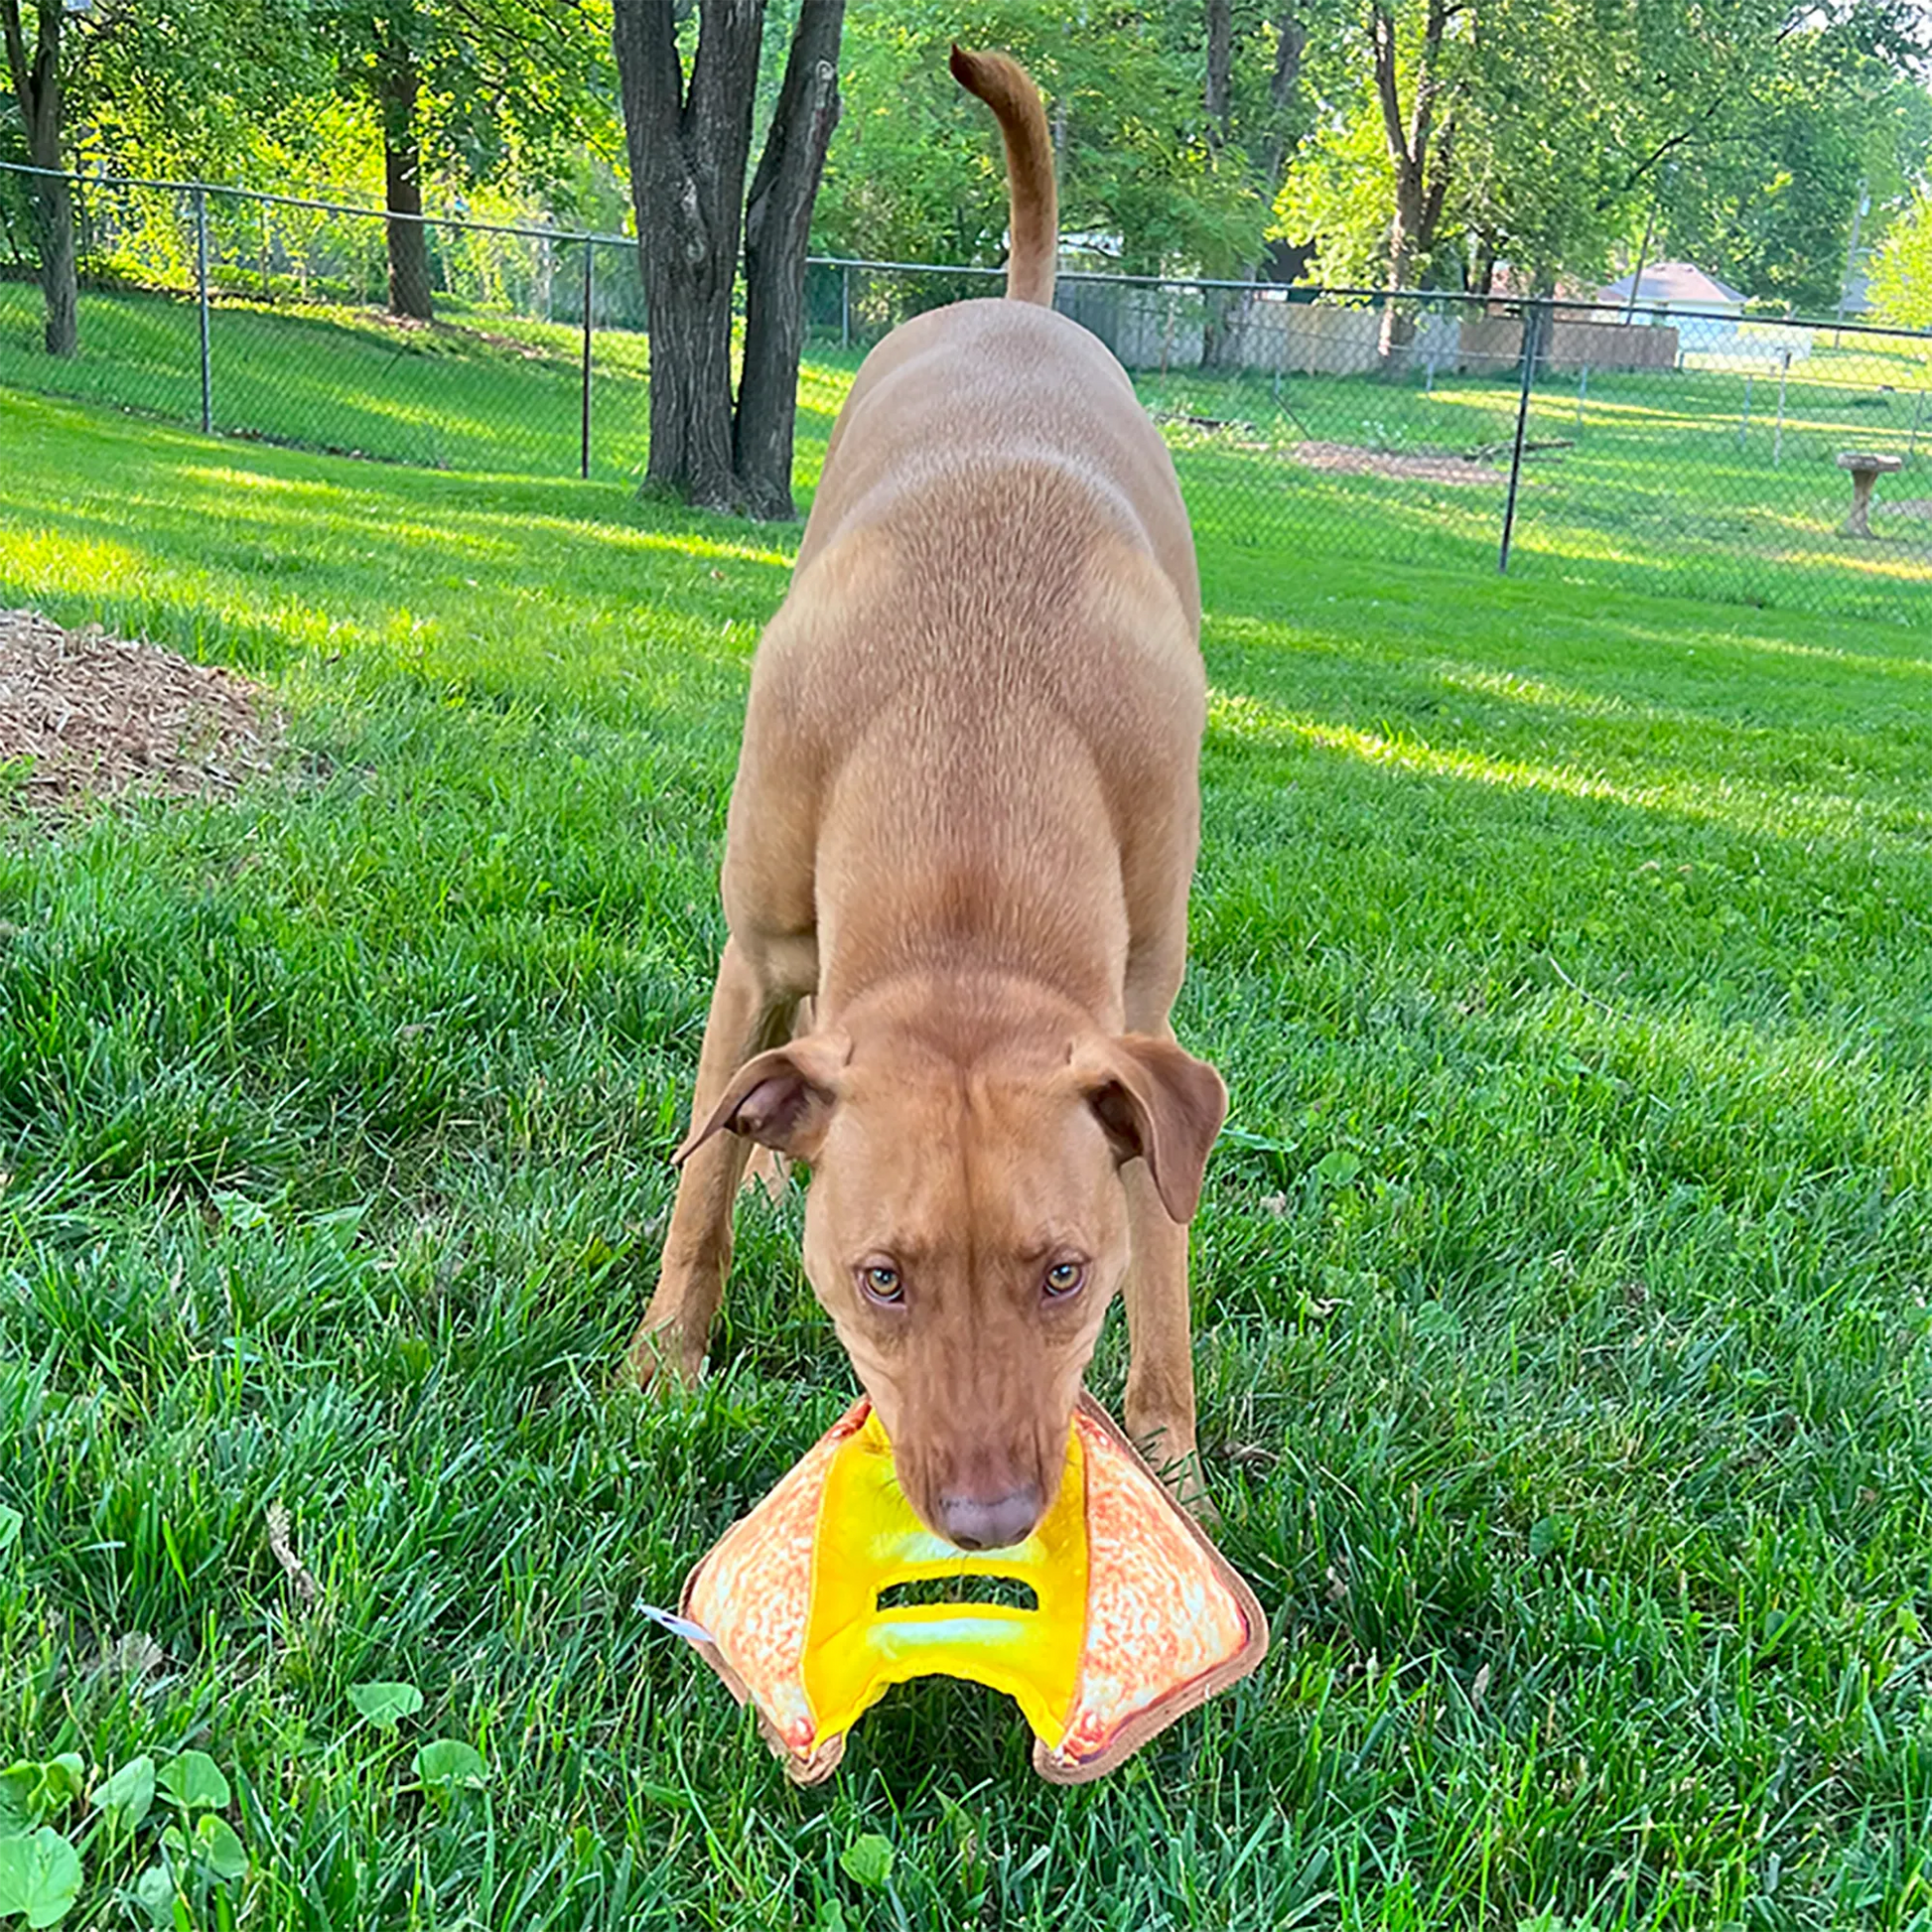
882 1284
1064 1279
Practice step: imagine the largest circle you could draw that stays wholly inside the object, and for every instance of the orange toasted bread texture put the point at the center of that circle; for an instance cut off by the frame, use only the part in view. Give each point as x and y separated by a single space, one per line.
1137 1616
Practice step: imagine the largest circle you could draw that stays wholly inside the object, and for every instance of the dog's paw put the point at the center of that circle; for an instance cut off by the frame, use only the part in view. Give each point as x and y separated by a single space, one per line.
657 1361
1200 1505
1182 1475
1187 1484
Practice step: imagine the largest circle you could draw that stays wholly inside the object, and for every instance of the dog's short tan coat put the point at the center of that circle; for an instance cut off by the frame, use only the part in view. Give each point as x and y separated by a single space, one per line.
963 831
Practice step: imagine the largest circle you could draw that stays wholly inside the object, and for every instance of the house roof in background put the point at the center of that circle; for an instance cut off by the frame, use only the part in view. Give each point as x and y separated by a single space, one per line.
1674 282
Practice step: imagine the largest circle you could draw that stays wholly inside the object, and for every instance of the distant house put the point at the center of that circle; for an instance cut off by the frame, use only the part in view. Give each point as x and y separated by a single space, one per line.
1678 288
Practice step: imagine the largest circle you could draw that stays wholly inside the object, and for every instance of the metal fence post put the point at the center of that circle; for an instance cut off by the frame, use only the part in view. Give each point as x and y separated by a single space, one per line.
268 293
845 306
589 255
201 290
1777 436
1532 342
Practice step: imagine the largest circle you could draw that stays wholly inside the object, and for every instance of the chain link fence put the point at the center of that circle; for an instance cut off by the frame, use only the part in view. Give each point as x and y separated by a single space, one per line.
1637 449
263 315
1629 449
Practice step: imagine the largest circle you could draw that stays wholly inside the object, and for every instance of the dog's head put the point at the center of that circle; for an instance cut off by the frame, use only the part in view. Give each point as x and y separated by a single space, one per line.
966 1228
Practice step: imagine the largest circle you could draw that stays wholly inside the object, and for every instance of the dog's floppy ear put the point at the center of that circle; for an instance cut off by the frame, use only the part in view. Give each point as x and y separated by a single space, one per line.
1157 1104
781 1099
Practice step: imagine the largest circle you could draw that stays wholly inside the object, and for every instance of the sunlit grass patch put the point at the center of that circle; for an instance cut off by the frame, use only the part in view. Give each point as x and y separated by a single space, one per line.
1660 480
1562 1279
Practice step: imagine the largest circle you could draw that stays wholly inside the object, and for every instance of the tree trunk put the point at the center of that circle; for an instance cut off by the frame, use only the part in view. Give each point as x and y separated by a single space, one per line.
689 328
37 88
59 269
688 152
778 226
410 291
1218 95
1418 189
1404 233
1482 271
1291 42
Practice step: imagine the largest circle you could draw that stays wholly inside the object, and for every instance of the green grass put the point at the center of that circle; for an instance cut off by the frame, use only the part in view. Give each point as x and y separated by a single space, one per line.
1562 1281
479 392
1654 482
1663 481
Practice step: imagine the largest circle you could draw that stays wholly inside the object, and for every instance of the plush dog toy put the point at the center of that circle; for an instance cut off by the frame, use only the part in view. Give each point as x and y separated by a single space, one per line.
1136 1617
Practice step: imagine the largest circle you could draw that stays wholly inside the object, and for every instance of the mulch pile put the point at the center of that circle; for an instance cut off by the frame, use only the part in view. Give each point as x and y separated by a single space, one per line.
95 714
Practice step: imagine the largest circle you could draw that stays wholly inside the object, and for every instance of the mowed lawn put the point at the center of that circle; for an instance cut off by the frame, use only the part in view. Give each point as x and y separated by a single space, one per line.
1562 1279
1719 483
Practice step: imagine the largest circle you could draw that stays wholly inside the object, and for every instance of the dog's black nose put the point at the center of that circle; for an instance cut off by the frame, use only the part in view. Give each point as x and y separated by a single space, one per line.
995 1523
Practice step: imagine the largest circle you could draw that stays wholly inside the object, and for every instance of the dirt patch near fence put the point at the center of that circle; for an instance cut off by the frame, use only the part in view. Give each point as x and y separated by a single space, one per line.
83 713
1345 459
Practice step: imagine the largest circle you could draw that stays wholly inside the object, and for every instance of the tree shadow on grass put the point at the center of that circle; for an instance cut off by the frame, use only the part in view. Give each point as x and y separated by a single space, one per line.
453 396
265 558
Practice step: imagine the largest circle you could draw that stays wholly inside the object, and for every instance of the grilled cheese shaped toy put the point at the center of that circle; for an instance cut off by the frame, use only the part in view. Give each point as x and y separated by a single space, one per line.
1135 1618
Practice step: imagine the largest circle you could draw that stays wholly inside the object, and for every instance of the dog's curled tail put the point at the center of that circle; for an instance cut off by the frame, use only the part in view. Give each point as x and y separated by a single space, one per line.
1007 88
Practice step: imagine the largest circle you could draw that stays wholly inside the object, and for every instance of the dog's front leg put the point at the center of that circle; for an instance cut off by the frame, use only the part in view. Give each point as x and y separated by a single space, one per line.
1161 1361
746 1015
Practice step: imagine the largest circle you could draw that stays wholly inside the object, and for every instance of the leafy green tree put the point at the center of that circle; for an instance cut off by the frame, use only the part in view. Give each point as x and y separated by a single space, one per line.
1901 276
477 88
1539 104
1765 197
68 62
1546 131
1253 83
1370 185
1145 166
1337 197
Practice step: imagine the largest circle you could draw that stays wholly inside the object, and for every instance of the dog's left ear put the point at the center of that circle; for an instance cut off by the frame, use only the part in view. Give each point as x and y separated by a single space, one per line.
782 1099
1157 1104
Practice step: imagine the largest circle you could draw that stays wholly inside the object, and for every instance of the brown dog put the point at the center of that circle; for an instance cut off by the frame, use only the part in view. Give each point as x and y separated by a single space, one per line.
963 828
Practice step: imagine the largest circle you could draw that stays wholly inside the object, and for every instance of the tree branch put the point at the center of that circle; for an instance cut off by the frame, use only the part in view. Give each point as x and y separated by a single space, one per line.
17 65
1382 32
650 78
1429 80
1291 41
1218 96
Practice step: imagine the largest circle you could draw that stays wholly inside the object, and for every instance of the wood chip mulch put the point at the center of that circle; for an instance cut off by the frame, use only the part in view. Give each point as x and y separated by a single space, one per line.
91 714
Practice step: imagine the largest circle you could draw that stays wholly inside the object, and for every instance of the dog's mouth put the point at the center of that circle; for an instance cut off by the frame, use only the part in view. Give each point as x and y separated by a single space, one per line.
997 1508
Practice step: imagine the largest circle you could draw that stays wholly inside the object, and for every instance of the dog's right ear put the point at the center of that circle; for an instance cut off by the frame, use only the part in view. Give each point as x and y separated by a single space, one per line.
782 1099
